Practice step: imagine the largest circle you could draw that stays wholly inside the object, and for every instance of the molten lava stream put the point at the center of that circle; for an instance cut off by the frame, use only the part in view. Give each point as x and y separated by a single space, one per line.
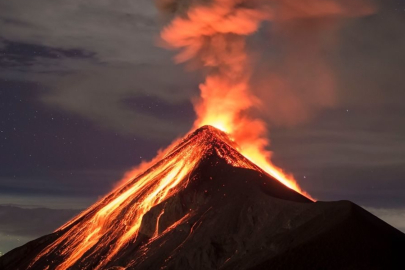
115 220
123 209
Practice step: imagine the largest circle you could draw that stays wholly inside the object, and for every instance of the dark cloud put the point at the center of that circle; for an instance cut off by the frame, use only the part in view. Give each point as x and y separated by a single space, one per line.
93 57
103 100
16 54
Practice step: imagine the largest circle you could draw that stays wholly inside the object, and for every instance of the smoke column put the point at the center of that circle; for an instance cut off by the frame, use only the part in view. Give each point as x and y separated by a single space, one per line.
212 35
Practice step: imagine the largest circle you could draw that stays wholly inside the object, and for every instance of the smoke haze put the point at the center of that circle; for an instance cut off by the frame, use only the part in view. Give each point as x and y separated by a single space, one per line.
290 73
214 35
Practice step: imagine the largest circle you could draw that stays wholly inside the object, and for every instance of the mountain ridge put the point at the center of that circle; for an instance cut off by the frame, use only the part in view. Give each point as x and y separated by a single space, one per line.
224 213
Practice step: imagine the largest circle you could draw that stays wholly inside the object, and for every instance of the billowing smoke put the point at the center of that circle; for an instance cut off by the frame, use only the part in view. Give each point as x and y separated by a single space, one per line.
283 83
291 76
294 73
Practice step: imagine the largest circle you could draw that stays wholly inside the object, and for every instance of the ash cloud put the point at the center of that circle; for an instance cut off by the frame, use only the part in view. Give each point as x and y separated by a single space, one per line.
297 78
292 70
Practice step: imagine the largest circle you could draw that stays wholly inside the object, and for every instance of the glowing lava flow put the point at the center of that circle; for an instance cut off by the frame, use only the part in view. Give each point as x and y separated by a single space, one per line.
115 220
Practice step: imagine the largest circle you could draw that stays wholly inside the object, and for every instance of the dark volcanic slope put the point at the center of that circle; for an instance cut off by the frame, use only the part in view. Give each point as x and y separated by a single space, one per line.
236 218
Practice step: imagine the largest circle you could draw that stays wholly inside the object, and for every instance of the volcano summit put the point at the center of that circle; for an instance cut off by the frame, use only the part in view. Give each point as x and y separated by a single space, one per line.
205 206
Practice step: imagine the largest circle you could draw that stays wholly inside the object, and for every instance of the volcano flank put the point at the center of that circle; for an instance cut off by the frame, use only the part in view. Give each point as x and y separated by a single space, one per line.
205 206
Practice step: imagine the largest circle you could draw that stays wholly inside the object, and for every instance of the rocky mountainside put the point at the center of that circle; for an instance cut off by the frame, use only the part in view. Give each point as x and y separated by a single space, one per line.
222 212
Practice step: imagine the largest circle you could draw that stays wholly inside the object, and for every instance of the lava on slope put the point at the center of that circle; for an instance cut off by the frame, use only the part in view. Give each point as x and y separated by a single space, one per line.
205 206
111 224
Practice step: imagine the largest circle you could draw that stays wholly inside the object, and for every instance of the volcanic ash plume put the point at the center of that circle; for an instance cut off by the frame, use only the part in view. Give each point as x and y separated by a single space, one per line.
213 35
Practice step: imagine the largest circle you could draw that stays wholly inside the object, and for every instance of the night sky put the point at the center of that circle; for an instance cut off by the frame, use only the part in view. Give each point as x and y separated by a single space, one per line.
86 94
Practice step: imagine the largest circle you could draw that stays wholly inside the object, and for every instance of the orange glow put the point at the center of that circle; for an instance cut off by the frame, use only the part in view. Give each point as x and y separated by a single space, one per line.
115 220
137 196
215 35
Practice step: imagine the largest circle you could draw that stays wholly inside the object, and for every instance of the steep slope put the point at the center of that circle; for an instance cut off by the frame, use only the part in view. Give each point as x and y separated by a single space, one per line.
217 211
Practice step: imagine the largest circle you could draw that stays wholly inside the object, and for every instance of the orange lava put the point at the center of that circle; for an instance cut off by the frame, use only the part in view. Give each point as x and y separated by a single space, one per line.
115 220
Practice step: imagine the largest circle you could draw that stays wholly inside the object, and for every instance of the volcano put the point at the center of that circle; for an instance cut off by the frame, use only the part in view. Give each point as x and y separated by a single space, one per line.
205 206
